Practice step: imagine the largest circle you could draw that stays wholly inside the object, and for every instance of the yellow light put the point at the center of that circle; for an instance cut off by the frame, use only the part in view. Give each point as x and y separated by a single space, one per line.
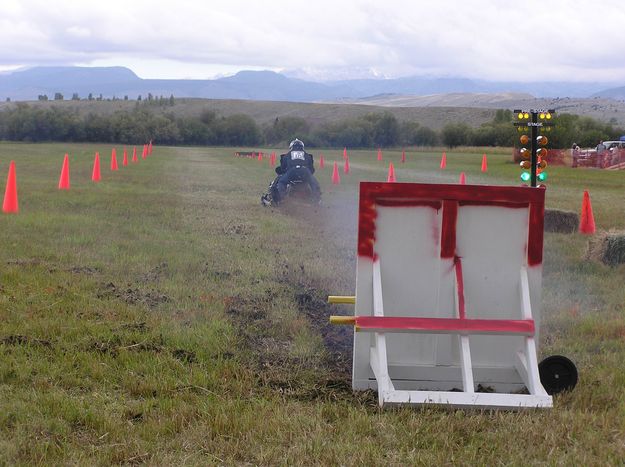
542 116
548 116
520 115
542 164
525 154
542 152
524 139
525 164
526 115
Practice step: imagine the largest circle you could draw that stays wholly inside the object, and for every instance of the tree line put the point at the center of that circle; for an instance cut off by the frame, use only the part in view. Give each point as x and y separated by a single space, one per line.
25 122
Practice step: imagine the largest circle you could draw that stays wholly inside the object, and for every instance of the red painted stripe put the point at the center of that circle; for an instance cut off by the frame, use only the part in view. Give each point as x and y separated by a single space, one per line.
409 202
460 282
448 235
536 232
469 326
485 193
502 204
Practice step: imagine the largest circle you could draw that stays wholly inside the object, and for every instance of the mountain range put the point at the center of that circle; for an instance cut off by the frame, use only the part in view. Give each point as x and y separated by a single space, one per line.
28 84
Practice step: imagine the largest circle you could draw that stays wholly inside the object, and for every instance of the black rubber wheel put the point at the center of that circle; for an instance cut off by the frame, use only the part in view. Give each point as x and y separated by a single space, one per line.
557 374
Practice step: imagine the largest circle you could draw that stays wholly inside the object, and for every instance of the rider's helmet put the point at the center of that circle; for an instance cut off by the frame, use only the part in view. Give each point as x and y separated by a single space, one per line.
296 144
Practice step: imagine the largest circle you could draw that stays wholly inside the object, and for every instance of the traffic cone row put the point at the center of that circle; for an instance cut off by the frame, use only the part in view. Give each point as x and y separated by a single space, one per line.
10 203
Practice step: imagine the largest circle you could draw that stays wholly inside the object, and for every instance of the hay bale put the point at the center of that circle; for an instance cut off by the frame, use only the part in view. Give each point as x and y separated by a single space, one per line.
608 247
561 221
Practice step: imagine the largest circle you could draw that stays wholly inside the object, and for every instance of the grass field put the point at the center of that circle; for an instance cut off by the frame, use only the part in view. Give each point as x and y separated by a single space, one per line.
162 316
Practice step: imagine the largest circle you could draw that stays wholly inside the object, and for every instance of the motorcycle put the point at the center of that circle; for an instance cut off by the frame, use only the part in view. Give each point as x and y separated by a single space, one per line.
295 190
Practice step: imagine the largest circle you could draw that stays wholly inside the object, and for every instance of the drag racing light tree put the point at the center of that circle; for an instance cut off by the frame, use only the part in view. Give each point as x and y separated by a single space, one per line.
533 159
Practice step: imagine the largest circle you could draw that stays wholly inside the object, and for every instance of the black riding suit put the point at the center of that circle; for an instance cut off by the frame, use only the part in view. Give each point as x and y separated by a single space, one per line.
295 165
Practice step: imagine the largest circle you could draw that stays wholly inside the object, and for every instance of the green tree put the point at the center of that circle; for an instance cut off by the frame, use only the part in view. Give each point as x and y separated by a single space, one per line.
286 128
239 130
455 134
385 129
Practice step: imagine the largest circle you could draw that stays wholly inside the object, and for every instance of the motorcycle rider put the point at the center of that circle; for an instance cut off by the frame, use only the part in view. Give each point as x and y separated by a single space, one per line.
296 164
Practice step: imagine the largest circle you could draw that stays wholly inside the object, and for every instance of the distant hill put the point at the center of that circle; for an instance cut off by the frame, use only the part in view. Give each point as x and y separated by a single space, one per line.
600 108
613 93
266 95
260 85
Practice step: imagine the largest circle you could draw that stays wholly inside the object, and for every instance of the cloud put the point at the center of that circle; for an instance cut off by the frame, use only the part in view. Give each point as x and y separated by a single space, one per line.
78 32
487 39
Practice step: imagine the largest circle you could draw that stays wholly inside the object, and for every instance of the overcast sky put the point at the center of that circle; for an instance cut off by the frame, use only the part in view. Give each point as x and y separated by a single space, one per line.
526 40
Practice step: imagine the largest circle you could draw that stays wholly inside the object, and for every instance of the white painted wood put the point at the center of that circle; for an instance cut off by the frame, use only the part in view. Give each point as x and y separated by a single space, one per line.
473 400
465 350
424 367
534 386
467 367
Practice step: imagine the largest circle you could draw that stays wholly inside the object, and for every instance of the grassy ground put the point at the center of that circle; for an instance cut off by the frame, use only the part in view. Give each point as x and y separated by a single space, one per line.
162 316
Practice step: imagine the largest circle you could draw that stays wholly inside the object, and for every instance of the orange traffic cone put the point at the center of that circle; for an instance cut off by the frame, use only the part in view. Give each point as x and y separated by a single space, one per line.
463 179
272 159
322 162
134 154
64 179
344 153
336 178
144 154
484 163
379 154
10 194
444 161
587 222
125 159
260 156
403 156
391 173
95 175
114 160
346 166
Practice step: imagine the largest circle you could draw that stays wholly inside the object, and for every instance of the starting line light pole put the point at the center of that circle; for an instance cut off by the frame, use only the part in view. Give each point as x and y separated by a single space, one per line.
534 119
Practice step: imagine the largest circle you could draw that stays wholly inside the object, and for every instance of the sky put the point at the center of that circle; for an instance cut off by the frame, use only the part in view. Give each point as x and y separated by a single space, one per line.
494 40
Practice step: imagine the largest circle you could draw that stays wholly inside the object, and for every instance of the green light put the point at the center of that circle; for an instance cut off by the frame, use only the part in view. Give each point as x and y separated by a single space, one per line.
525 176
542 176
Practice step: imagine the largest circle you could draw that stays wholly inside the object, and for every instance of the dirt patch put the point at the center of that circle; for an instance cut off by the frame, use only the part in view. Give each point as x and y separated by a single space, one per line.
84 270
25 262
184 355
338 340
250 317
155 274
24 340
239 229
311 300
133 295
